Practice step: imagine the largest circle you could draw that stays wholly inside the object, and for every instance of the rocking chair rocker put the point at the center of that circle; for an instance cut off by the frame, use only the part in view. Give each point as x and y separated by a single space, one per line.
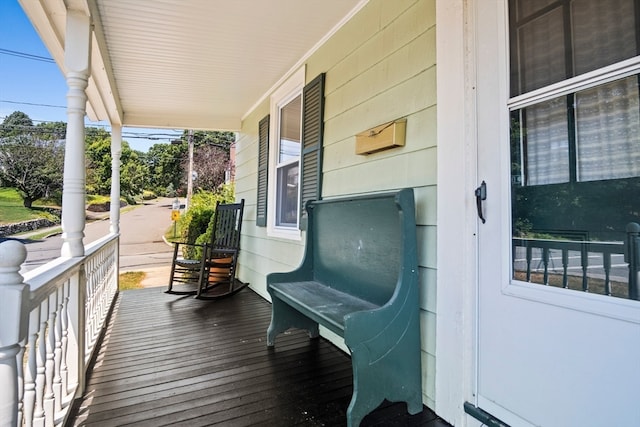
213 275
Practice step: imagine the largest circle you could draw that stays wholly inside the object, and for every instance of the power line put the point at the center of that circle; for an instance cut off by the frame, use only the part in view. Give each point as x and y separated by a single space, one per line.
130 135
32 104
27 56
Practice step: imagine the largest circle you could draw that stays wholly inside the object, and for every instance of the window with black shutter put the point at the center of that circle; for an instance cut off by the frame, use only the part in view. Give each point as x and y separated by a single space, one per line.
263 172
295 172
312 135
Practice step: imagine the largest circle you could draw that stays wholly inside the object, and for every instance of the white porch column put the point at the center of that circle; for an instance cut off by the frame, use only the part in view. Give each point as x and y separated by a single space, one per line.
14 303
116 151
77 60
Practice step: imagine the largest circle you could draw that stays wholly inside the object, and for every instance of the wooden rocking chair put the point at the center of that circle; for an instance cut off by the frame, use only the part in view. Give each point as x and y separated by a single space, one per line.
213 275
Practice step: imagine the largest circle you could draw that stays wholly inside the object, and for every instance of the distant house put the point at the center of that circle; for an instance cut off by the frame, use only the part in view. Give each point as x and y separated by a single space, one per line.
517 124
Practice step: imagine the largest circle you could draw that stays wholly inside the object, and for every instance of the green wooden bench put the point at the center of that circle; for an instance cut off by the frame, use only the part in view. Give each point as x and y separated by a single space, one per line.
359 279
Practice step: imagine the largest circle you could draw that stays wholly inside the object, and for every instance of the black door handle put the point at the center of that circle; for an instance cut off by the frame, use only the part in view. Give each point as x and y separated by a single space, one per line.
481 194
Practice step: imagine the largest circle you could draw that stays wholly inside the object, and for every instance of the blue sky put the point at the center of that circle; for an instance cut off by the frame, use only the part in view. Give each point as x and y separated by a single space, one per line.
37 87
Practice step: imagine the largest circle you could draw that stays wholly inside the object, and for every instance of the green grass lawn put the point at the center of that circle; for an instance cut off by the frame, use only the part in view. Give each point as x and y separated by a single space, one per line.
131 280
12 209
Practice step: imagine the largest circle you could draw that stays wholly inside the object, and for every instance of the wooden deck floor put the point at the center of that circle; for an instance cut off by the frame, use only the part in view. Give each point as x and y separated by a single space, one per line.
171 360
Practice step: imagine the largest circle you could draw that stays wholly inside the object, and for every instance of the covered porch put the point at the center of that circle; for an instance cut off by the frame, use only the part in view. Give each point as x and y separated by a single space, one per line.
69 351
171 360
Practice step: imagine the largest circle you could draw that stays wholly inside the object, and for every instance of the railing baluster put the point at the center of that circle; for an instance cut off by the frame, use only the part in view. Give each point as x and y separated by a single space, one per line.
545 262
49 403
565 267
31 371
529 257
632 256
606 263
584 261
20 369
38 416
57 353
64 371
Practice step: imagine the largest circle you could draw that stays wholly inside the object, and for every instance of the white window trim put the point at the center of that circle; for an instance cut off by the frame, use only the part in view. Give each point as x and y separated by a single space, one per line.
291 88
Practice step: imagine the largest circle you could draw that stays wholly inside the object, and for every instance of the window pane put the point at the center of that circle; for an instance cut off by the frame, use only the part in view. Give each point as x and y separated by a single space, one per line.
288 164
545 139
554 41
608 131
542 53
287 211
529 7
604 33
290 130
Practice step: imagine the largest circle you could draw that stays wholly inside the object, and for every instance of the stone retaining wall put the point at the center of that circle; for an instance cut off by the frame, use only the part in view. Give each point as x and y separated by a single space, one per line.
21 227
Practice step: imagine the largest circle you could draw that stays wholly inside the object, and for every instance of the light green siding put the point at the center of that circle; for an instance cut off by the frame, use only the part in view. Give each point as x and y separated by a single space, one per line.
379 67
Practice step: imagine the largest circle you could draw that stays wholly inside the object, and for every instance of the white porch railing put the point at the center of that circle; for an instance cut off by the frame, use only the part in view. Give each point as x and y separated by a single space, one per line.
50 322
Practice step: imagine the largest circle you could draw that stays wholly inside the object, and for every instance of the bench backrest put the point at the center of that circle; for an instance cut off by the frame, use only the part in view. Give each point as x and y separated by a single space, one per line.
357 243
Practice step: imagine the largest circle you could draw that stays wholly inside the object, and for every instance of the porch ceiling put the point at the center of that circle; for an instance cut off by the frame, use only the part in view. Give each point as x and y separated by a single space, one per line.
199 64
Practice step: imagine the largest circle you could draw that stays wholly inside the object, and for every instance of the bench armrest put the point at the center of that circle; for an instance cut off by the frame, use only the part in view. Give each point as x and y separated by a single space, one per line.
380 329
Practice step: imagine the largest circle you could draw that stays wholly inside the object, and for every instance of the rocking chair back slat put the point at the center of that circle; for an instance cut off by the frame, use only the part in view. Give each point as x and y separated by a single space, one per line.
228 225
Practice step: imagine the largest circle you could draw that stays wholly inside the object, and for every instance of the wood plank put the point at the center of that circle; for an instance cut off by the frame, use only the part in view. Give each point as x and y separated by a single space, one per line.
171 360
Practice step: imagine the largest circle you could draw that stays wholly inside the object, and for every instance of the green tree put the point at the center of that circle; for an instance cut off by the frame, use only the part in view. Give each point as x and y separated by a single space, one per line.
165 167
220 139
133 171
16 123
98 165
31 158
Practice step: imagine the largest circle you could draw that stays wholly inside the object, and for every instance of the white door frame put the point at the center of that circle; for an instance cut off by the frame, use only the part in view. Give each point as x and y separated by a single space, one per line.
457 220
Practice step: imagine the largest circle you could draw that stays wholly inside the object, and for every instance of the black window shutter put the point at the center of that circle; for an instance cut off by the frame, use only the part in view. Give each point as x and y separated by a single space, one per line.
312 134
263 171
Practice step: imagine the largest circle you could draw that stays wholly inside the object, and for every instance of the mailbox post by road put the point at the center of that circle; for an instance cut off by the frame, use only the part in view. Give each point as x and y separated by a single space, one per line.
175 214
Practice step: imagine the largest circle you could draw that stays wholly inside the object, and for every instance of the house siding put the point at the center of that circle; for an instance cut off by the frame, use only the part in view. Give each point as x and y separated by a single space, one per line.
380 66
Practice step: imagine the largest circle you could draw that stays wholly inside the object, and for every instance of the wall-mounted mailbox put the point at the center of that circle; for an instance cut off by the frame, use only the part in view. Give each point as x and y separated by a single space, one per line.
381 137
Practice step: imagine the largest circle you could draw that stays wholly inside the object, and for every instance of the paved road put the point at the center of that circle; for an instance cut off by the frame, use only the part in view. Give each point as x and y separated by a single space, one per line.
141 244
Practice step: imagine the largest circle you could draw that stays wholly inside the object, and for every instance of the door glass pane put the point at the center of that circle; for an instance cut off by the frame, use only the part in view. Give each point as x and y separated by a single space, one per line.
604 33
541 51
575 159
527 8
554 41
570 228
608 131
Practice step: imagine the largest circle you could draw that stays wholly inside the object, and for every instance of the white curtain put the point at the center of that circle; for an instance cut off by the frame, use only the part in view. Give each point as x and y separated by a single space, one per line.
608 131
547 139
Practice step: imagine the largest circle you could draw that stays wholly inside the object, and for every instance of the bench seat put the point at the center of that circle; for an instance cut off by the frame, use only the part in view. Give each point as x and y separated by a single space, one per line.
323 304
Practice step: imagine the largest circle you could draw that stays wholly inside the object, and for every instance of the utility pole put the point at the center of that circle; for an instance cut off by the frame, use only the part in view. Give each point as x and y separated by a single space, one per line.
190 172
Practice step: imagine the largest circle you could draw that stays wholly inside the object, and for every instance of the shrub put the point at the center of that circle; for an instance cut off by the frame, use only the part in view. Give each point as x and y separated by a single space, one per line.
148 195
197 223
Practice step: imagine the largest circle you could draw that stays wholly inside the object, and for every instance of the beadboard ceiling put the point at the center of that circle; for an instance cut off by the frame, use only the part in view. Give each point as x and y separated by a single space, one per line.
200 64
